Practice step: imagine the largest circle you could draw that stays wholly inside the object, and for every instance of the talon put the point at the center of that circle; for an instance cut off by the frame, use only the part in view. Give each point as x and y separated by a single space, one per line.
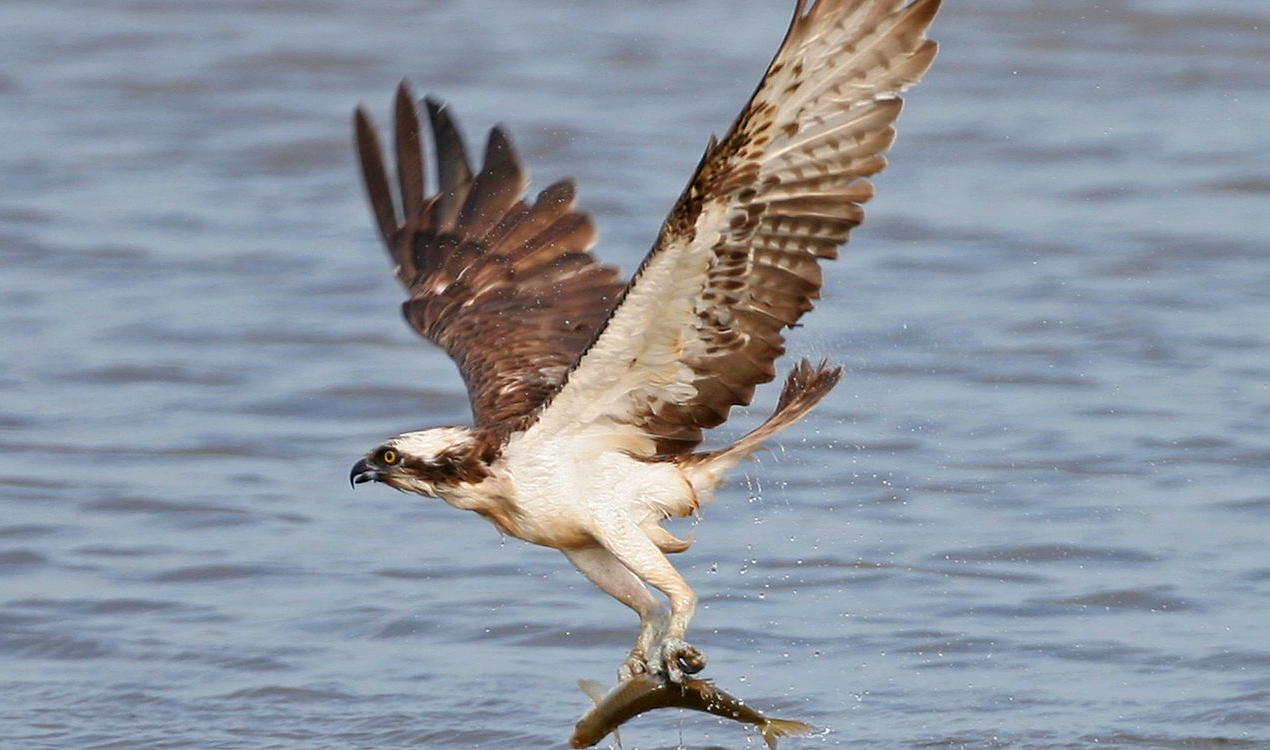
678 659
634 665
691 661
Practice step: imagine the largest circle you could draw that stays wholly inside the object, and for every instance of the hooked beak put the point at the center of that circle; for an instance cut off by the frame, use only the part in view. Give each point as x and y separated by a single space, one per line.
362 472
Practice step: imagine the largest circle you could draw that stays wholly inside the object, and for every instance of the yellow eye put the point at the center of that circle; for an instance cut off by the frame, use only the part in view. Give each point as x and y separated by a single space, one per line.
388 457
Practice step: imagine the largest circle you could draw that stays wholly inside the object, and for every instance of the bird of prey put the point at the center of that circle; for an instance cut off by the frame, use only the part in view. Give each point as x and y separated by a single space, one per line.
590 394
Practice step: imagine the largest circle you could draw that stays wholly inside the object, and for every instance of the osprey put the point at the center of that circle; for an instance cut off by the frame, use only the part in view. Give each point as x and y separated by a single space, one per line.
590 394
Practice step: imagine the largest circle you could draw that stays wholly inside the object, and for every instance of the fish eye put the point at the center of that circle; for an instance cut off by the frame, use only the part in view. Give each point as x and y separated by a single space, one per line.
388 457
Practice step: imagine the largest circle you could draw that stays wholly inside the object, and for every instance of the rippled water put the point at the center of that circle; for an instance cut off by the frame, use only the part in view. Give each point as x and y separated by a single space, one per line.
1034 515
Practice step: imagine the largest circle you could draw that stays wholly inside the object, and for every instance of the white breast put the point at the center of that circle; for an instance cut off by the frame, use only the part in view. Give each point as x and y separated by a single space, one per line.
565 486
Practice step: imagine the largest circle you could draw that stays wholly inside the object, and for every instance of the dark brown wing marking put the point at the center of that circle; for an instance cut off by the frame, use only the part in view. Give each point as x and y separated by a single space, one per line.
506 287
738 259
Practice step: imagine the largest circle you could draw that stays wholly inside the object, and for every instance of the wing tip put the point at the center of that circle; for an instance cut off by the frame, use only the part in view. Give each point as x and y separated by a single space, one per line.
371 155
362 120
924 10
404 90
499 147
435 104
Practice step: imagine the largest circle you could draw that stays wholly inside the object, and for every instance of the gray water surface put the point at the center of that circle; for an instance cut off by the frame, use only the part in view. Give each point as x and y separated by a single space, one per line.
1034 515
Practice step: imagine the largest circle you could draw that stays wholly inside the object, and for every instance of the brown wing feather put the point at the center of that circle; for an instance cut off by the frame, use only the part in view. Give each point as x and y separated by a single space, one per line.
505 287
738 259
793 194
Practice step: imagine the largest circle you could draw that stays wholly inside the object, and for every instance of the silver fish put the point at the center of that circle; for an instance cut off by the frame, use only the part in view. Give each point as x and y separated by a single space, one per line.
644 692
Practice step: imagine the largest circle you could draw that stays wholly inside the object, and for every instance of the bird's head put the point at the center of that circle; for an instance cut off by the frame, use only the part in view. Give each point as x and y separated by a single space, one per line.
426 462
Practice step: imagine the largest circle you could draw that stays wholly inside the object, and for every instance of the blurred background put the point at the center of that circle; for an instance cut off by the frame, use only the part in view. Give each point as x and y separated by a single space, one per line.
1034 515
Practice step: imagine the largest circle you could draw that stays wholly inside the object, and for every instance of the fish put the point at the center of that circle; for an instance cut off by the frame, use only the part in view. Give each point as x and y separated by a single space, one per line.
643 692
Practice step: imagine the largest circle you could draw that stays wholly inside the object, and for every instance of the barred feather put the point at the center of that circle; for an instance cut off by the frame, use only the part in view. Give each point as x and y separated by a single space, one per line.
738 259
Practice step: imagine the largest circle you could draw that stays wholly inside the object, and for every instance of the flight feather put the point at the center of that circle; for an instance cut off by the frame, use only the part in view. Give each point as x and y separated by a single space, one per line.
737 261
505 286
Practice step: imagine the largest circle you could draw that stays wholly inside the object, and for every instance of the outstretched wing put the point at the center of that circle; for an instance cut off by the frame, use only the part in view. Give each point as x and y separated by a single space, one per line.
737 260
505 287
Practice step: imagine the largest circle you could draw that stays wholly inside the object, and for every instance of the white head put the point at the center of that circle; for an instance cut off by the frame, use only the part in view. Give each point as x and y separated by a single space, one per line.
429 461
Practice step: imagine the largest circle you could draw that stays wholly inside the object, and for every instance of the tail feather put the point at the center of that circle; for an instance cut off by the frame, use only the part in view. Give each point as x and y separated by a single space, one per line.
806 385
774 728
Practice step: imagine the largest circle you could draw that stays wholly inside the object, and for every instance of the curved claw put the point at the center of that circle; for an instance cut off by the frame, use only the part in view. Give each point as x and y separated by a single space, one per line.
677 659
634 665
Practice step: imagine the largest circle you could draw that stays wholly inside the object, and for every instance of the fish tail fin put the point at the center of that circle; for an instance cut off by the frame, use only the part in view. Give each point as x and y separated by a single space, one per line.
595 691
774 728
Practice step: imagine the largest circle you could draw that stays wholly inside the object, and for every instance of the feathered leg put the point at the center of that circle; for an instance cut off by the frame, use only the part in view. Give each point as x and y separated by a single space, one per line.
607 572
631 546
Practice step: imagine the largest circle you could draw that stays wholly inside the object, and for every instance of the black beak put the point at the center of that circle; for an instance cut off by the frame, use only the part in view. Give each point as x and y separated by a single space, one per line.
362 472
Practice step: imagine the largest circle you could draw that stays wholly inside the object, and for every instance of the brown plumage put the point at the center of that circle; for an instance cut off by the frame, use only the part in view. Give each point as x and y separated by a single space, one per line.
505 286
590 395
510 292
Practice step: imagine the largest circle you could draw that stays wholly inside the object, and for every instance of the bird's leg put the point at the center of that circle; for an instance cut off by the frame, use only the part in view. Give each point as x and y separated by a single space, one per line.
651 632
673 656
678 657
607 572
